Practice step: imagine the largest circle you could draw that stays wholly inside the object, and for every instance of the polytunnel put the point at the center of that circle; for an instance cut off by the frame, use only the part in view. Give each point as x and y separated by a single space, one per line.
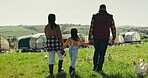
33 42
4 43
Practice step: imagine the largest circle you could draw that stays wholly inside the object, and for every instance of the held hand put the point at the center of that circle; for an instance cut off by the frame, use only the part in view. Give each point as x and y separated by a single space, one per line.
63 45
63 52
90 43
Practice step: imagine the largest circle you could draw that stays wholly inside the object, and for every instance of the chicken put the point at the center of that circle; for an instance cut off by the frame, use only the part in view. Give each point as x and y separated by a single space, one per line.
45 56
88 58
42 51
109 57
20 51
142 62
146 65
139 70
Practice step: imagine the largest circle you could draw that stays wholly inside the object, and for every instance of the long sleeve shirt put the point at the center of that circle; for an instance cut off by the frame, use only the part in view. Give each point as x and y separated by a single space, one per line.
53 32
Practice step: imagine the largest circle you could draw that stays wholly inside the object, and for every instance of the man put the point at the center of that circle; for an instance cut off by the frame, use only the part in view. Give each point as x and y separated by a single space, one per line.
99 33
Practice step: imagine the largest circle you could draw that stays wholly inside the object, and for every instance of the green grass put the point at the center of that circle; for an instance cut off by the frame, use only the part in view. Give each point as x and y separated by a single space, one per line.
21 30
9 31
34 65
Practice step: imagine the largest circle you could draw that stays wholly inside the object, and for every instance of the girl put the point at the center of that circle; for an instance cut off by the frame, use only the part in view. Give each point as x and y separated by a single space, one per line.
73 49
54 43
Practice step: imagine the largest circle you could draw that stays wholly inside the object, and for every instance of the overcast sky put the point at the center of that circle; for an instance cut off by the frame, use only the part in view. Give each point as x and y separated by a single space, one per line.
35 12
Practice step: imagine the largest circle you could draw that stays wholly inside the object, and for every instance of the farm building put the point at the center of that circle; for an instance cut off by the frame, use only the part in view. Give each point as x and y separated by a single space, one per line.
33 42
4 44
119 38
132 37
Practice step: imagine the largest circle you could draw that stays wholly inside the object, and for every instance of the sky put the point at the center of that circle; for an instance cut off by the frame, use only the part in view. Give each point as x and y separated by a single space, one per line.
35 12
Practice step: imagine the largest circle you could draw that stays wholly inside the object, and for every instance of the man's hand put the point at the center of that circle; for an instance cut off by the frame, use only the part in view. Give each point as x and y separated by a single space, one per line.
90 43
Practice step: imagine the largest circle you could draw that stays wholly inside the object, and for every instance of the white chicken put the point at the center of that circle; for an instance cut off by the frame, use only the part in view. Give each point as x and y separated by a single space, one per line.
20 51
139 70
143 63
109 57
88 57
146 65
42 51
45 56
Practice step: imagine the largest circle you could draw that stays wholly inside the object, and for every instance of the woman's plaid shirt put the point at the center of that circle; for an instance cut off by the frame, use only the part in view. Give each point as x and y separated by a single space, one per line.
53 43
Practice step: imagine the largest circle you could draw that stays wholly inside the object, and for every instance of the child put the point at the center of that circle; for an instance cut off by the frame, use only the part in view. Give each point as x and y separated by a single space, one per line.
74 40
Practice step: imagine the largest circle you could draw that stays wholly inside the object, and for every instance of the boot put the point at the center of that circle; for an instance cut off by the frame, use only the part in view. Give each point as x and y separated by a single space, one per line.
95 68
60 66
71 69
51 69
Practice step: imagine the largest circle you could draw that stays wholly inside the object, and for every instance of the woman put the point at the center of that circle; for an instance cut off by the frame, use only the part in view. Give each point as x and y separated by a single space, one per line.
54 43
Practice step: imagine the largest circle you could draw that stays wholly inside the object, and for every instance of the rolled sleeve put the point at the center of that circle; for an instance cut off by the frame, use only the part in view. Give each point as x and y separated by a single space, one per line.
113 29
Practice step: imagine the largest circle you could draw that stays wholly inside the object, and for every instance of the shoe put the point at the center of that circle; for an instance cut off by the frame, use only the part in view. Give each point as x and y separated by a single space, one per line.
102 73
60 66
62 69
94 70
71 69
51 69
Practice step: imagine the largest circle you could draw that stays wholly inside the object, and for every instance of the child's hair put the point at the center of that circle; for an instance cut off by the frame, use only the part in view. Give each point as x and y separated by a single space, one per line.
74 35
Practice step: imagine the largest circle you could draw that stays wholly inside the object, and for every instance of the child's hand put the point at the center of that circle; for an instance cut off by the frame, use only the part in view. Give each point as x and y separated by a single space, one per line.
63 46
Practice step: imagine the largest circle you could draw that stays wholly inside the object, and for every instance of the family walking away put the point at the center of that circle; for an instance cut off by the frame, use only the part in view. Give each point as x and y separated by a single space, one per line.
99 33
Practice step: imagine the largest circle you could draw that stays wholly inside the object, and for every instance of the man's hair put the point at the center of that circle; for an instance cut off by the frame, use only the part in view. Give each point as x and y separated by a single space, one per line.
103 6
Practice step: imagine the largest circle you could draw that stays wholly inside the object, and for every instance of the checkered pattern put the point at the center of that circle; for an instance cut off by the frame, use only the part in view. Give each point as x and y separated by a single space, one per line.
53 43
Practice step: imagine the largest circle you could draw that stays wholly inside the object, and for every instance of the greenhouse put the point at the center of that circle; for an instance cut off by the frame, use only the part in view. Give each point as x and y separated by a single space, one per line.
32 42
132 37
118 40
4 44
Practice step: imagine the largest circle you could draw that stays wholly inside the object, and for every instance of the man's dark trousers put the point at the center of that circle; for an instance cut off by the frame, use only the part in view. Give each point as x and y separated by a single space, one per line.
99 53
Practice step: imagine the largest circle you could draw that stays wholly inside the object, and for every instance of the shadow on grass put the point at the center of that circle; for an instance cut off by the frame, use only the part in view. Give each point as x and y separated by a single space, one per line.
74 75
61 75
58 75
50 76
64 75
112 76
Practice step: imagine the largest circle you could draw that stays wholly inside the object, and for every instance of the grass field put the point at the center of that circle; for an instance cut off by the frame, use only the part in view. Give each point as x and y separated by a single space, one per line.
34 65
9 31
